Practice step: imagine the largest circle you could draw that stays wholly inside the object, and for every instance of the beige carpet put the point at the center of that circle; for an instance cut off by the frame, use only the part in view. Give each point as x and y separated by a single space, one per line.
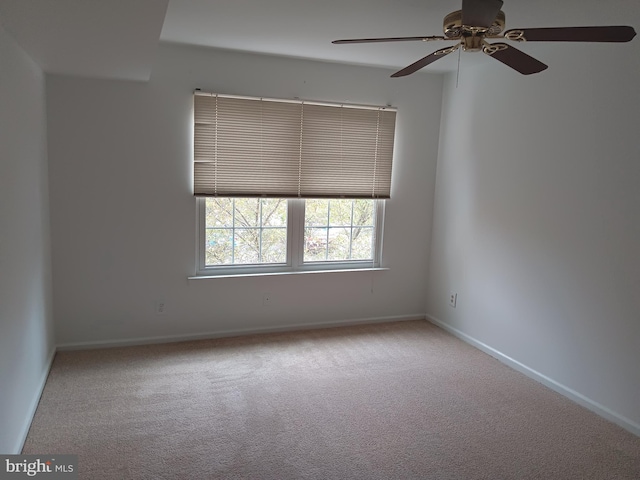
391 401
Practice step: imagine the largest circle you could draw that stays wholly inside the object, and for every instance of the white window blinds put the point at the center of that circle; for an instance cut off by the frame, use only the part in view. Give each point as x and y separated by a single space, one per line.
246 147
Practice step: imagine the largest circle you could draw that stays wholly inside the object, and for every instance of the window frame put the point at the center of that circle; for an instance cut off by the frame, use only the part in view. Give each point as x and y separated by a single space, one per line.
295 247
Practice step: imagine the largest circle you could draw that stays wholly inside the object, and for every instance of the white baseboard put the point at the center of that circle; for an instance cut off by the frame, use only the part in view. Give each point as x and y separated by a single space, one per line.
33 406
577 397
234 333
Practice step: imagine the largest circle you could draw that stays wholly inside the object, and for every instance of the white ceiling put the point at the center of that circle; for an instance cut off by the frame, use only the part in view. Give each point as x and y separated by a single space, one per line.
94 38
117 38
305 28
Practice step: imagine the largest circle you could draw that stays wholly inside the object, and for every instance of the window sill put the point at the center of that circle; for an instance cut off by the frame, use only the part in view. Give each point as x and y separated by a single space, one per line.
271 274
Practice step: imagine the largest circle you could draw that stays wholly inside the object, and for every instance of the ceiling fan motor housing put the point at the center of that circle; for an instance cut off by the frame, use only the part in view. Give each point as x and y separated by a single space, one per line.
471 35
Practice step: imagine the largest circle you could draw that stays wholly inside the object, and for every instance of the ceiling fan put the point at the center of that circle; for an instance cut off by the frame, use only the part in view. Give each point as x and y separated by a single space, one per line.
480 20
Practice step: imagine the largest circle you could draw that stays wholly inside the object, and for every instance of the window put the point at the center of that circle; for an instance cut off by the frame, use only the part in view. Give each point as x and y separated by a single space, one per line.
245 231
253 235
339 230
289 185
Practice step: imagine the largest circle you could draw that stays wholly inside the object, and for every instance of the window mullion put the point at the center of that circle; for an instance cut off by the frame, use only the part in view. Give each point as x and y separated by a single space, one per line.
295 232
326 250
233 231
353 202
260 231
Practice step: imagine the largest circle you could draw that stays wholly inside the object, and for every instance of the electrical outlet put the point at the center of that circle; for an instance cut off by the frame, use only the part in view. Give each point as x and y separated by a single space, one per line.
161 308
453 299
266 299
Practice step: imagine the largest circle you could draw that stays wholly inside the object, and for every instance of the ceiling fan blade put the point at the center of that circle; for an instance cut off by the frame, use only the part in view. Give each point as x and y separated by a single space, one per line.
619 33
391 39
480 13
423 62
514 58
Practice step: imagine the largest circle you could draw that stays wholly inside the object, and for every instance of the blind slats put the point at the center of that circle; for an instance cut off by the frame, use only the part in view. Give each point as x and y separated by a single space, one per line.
255 147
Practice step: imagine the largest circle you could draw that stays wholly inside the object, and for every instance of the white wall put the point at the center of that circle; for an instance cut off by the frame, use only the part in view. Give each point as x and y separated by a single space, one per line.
537 217
121 243
26 331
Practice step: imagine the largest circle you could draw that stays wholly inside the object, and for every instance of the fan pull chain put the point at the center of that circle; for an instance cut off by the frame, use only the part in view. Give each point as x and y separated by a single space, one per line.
458 73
